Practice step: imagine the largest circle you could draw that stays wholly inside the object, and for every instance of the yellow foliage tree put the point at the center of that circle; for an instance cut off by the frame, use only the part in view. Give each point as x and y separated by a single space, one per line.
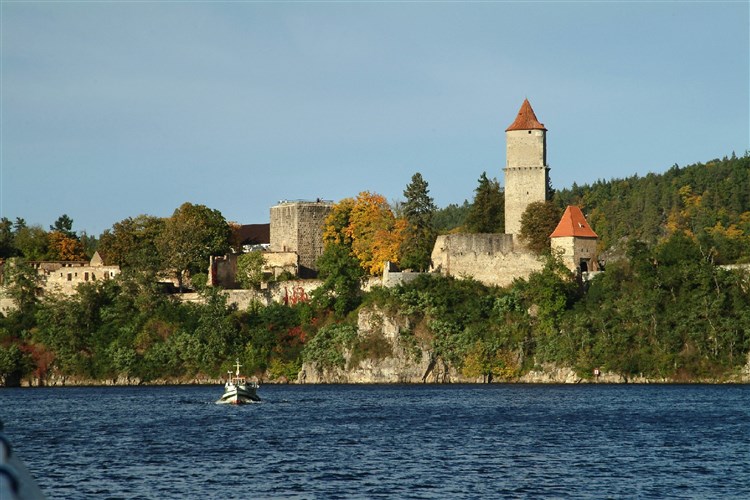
680 220
367 225
64 247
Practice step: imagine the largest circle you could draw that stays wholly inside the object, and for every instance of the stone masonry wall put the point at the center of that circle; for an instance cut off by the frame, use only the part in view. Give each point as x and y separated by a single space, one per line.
493 259
297 226
526 174
572 250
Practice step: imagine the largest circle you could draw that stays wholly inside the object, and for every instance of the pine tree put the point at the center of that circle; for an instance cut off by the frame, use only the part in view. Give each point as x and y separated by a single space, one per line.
419 212
487 214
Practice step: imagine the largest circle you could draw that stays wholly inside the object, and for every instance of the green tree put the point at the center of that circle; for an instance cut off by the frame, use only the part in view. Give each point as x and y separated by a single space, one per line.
7 245
31 242
487 213
132 243
64 225
250 269
537 223
419 211
451 217
21 281
190 237
342 277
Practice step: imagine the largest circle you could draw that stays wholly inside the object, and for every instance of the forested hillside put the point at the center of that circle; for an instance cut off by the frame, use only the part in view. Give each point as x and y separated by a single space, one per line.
710 201
663 310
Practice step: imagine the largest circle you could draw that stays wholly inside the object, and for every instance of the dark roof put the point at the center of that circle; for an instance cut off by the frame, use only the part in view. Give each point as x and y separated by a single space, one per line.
253 234
526 119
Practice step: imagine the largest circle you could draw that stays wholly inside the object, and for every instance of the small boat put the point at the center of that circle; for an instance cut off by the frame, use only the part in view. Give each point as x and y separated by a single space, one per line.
238 390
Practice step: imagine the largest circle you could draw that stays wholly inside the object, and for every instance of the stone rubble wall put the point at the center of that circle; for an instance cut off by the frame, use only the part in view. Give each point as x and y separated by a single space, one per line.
493 259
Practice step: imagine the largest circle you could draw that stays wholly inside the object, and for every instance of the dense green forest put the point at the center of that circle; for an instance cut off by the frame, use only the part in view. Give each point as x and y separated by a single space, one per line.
663 308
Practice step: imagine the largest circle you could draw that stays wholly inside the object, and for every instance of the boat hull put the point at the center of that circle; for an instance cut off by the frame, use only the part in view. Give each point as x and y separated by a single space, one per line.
238 395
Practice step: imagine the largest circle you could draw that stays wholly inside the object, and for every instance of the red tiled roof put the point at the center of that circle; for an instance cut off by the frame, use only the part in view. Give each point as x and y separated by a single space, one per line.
573 223
526 119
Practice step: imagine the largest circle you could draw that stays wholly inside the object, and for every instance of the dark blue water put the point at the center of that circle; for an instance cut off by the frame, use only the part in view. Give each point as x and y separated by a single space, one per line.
458 441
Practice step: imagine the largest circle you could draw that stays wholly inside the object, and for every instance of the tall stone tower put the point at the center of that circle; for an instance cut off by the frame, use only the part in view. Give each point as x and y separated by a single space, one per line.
297 226
526 170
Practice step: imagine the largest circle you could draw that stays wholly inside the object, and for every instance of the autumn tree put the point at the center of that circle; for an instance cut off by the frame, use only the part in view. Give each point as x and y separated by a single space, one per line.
487 213
64 244
65 247
337 222
190 237
419 238
537 222
375 233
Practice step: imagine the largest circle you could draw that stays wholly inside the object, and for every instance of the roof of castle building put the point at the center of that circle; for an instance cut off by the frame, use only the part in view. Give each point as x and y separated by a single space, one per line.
573 223
526 119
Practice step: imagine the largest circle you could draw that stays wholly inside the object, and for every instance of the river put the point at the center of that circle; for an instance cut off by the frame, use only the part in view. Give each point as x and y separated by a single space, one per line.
386 441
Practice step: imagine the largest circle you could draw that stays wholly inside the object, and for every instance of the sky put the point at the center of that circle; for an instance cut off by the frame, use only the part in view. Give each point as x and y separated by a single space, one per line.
109 110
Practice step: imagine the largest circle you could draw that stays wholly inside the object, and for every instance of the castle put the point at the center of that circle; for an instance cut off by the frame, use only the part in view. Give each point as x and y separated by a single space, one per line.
498 259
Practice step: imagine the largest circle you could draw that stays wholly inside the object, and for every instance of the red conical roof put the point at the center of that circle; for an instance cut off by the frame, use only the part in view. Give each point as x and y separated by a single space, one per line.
573 223
526 119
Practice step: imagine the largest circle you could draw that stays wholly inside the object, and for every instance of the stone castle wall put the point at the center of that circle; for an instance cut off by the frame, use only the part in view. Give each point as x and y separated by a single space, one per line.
572 250
65 279
297 226
493 259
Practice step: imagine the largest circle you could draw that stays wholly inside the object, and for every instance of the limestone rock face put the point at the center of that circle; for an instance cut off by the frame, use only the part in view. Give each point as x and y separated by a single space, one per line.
406 361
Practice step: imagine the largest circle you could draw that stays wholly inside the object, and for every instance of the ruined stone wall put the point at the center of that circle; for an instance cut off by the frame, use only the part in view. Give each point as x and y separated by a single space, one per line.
65 279
280 262
223 271
526 174
282 292
297 226
493 259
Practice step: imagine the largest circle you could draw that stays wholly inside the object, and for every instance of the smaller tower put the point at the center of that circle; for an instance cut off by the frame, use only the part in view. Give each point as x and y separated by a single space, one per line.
575 241
526 170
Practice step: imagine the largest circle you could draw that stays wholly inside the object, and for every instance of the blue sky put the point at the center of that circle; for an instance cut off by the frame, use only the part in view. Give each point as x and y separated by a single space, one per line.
115 109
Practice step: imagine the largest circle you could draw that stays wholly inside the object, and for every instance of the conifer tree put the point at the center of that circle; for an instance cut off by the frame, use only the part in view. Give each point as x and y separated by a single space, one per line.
419 211
487 214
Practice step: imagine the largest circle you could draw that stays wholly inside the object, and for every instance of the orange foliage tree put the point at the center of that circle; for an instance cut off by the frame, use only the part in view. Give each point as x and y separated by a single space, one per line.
367 225
64 247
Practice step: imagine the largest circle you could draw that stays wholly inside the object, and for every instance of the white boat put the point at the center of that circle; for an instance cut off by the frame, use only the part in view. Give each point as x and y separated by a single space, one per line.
238 390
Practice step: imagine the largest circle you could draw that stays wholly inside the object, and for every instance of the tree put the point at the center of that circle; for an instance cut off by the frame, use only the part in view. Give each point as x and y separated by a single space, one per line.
487 213
190 237
342 276
62 246
31 242
250 269
21 284
537 222
374 231
132 243
366 225
419 211
64 224
7 248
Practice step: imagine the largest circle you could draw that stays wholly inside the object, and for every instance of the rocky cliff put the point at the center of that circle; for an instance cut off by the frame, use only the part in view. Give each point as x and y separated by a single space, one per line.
400 358
405 358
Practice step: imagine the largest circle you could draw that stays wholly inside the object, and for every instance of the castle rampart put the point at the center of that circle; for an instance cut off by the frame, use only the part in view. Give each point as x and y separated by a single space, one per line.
493 259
